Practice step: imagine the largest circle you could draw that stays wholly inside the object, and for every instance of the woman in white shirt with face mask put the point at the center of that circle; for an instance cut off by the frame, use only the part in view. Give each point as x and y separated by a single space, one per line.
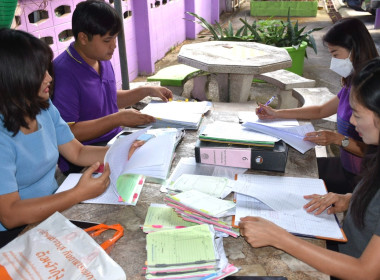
351 47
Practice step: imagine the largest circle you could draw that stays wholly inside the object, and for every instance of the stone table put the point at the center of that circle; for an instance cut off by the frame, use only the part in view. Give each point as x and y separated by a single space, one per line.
233 64
130 251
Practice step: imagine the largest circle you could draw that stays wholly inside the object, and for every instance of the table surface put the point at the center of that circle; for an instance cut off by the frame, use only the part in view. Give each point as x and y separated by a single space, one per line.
234 57
130 251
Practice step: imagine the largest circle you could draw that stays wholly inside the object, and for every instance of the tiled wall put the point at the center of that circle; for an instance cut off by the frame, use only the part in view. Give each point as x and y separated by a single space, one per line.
151 27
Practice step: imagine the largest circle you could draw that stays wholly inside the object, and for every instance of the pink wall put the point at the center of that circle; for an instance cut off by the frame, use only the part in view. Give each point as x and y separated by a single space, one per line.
151 27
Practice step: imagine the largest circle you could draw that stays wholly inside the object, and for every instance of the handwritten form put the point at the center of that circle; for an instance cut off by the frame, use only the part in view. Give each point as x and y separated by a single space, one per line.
181 250
203 203
188 165
214 186
280 200
162 217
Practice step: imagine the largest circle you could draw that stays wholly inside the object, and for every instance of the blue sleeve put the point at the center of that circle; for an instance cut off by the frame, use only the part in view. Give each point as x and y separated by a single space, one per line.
7 166
62 130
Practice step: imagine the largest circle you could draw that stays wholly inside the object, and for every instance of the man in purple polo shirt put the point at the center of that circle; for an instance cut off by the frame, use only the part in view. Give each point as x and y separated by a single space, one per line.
85 87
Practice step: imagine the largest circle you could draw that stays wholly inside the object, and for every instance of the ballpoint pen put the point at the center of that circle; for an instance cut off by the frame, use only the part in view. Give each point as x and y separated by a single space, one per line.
268 102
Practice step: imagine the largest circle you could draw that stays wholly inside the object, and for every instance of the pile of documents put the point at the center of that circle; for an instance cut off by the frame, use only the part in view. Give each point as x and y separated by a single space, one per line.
128 175
287 130
235 133
280 200
191 252
198 207
162 217
177 114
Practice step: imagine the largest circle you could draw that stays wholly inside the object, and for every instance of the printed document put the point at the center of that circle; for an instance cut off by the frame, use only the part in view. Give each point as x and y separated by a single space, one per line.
280 200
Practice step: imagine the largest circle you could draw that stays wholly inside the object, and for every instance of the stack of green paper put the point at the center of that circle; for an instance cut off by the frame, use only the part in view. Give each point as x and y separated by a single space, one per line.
162 217
198 207
181 253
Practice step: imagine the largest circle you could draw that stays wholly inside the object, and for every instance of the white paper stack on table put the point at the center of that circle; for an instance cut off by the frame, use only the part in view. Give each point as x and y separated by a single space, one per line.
187 253
202 208
288 130
234 133
281 200
177 114
148 160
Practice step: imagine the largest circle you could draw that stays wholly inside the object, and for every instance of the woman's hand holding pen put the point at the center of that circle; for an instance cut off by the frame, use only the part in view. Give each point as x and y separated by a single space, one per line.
333 202
265 112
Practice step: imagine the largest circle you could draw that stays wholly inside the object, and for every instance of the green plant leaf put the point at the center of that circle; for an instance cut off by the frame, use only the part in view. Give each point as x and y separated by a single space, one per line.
206 25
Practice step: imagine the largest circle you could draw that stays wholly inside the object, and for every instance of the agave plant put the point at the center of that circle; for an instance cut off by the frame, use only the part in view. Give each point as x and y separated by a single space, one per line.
270 32
221 34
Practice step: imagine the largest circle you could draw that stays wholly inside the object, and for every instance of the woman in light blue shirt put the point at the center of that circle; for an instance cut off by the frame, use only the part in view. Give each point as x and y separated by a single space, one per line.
32 134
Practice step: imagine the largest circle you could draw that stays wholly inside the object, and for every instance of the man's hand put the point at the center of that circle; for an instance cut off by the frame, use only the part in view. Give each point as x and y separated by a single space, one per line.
133 118
161 92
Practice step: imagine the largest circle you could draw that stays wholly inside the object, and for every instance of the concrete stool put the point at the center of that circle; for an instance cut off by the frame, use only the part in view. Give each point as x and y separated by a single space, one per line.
285 81
174 77
316 96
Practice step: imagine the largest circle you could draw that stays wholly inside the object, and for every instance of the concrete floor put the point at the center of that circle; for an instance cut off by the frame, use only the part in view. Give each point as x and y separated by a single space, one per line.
316 66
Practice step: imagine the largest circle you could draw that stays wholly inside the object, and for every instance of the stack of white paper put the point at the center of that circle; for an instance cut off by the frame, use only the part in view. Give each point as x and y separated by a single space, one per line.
177 114
292 135
153 160
234 133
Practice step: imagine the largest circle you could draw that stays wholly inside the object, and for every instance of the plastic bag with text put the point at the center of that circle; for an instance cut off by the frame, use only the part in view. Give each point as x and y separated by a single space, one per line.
57 249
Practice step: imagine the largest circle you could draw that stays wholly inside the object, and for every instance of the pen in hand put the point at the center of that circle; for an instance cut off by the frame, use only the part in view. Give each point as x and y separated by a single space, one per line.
267 103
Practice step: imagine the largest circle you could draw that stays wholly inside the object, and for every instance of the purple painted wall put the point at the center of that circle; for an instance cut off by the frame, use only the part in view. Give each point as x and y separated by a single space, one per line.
209 10
151 27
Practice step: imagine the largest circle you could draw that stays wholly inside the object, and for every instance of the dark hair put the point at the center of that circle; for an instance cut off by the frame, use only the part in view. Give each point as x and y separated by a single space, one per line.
351 34
95 17
366 91
24 62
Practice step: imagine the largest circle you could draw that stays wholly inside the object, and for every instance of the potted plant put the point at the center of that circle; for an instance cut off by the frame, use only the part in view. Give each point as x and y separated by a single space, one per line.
270 31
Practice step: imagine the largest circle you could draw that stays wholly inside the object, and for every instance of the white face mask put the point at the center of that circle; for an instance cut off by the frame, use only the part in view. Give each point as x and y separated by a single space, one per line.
343 67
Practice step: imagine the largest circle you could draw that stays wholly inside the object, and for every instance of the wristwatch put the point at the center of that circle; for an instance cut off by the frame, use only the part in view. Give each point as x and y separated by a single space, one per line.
345 142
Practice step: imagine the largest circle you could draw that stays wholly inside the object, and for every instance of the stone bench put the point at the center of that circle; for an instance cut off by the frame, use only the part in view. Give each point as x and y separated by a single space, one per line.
174 77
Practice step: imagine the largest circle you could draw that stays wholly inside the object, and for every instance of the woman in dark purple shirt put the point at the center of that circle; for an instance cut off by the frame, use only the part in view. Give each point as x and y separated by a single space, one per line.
351 47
